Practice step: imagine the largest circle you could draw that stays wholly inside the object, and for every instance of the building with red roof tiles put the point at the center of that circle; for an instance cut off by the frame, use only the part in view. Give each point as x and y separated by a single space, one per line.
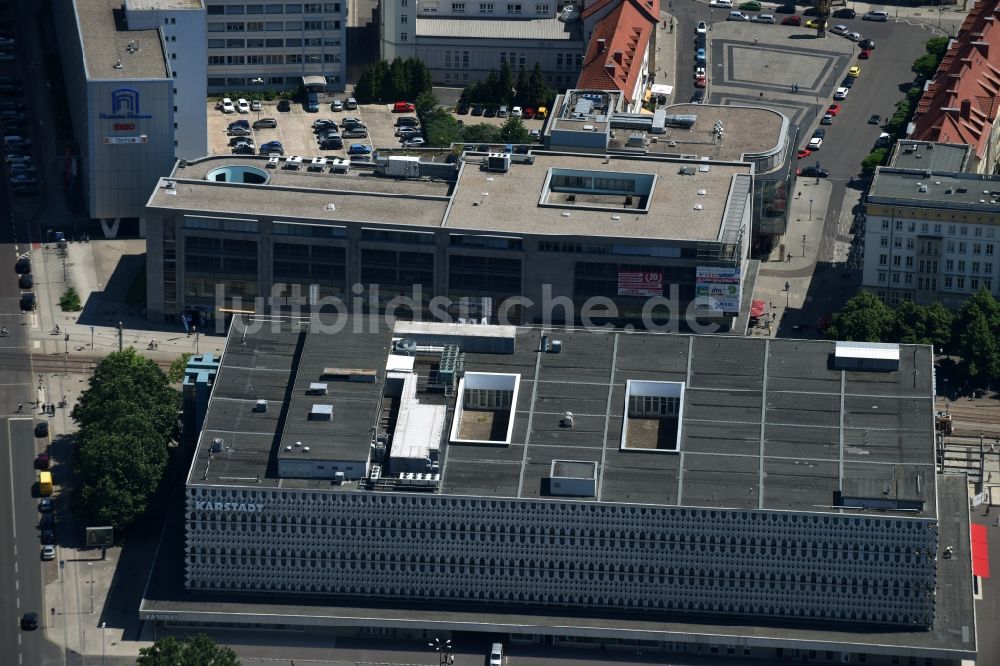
961 102
622 44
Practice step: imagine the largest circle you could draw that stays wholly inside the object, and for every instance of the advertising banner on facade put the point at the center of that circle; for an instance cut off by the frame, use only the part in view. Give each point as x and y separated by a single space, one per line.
121 140
720 286
639 283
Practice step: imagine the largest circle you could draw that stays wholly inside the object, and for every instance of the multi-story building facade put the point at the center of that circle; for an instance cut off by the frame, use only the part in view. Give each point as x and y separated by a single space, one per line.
274 45
136 89
514 234
462 42
590 483
931 236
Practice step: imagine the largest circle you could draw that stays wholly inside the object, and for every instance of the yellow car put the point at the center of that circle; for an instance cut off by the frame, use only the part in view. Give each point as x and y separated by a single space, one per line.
814 24
854 71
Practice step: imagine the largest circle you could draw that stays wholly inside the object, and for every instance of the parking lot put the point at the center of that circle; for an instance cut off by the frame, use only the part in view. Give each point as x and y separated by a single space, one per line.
295 132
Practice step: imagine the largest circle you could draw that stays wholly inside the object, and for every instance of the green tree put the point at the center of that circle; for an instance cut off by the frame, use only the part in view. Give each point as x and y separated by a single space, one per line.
197 650
976 339
922 324
513 131
864 318
176 371
490 89
70 300
441 129
395 86
875 158
419 78
368 89
523 89
925 66
537 94
937 46
125 383
425 105
479 133
505 84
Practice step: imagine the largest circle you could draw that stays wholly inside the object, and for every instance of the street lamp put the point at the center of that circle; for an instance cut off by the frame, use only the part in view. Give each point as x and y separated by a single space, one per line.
103 634
810 210
443 648
788 287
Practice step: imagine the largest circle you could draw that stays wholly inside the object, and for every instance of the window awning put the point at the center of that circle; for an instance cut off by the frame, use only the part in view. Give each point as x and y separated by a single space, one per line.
314 80
980 552
757 308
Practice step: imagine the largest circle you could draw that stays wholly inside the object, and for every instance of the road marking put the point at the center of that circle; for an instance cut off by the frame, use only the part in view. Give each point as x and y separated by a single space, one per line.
13 513
17 584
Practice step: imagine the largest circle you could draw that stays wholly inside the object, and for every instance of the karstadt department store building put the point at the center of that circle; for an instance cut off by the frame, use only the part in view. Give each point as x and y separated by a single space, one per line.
765 498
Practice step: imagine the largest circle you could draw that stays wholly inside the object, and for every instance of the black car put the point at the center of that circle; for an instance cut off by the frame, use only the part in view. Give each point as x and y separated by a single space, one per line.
29 621
22 266
329 134
48 537
284 105
42 429
26 281
785 9
47 522
244 149
331 144
490 111
848 81
242 122
699 40
265 123
698 97
875 119
407 121
322 124
819 133
27 301
813 172
477 109
866 44
462 108
845 12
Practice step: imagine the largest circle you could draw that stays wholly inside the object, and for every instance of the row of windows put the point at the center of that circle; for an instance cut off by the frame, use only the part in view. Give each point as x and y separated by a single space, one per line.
962 283
291 8
267 59
315 42
513 8
273 26
933 247
952 229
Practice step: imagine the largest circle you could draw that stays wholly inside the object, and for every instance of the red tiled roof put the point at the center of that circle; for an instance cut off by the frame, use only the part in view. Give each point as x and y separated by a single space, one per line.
626 31
962 100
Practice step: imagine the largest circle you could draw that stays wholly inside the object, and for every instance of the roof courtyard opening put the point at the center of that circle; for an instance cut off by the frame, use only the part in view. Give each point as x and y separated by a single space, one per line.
653 413
626 192
484 413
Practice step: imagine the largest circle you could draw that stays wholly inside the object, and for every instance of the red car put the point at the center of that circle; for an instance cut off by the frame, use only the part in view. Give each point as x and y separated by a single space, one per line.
403 107
791 20
528 113
865 54
700 82
833 109
805 152
42 461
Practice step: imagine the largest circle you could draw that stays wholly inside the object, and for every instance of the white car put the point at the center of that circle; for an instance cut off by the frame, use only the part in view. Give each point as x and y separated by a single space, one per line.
242 105
721 3
496 654
737 16
699 71
815 143
48 553
255 105
841 93
853 36
839 30
228 106
701 28
763 18
877 15
517 112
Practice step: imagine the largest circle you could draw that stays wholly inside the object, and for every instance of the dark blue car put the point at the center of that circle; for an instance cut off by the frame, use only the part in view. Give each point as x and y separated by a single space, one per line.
272 147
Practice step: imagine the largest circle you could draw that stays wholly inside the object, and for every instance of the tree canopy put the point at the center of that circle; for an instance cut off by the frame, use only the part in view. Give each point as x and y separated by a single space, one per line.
528 89
198 650
394 81
127 418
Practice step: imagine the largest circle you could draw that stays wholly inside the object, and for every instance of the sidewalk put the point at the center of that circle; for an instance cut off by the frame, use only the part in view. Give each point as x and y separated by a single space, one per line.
665 72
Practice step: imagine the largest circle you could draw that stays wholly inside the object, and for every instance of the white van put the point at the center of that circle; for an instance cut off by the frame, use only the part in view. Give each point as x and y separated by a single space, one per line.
496 654
728 4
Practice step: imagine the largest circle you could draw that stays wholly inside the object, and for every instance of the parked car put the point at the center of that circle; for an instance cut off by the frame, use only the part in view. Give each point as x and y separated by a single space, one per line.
698 97
833 109
854 71
462 108
529 112
265 123
700 82
477 109
228 106
236 140
284 105
763 18
490 111
350 121
815 143
841 93
738 16
502 111
414 142
826 120
853 36
29 621
805 152
876 15
840 29
866 44
7 56
272 147
48 537
786 9
28 303
322 123
43 461
791 20
699 56
26 281
845 12
355 133
813 172
407 131
255 105
244 149
814 23
42 429
407 121
496 654
359 149
23 179
820 132
750 6
22 265
331 144
48 553
7 41
337 105
720 3
45 505
848 82
517 112
875 119
535 134
864 54
701 28
242 105
403 107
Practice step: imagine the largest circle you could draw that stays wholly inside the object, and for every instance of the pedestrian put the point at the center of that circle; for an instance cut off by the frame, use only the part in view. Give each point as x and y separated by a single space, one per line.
20 407
755 40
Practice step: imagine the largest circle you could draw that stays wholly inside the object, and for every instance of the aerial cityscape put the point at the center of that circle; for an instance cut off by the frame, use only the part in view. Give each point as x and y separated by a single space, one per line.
435 332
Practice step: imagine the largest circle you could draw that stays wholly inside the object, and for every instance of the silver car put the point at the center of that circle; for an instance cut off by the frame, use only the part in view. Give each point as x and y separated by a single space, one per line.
763 18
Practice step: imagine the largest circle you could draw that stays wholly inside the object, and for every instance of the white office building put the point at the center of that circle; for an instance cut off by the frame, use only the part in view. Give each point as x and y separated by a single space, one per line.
275 45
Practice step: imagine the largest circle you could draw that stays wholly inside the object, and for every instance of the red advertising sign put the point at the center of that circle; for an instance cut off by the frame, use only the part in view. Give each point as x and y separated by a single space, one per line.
638 283
124 127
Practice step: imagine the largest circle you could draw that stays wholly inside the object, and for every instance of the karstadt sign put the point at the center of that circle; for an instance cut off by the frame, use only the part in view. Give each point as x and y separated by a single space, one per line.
235 507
